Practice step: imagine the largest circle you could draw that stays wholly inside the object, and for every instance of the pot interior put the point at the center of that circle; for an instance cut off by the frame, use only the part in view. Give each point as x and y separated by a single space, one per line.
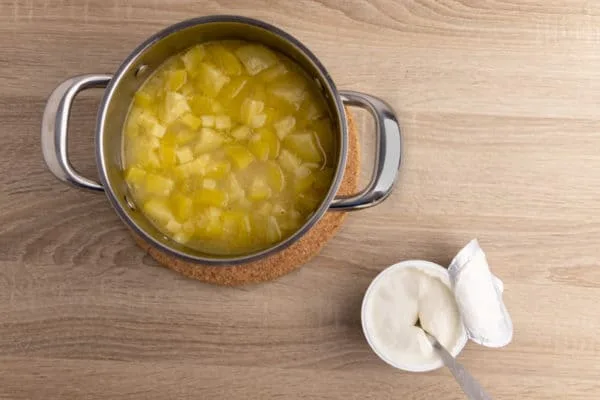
144 61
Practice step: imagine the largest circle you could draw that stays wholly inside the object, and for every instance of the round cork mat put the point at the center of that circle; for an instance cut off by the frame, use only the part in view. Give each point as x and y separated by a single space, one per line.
283 262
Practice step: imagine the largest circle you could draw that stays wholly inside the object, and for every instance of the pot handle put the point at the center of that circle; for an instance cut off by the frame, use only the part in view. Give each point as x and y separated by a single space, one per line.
388 154
55 123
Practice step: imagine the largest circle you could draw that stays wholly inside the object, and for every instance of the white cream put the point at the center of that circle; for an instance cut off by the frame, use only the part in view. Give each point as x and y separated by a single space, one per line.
400 296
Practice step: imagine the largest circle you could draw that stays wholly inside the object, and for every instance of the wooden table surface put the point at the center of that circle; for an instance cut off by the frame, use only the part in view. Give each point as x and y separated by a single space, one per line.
498 101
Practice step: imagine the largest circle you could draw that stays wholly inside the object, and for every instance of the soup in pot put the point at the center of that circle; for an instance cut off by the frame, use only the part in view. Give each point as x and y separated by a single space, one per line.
229 147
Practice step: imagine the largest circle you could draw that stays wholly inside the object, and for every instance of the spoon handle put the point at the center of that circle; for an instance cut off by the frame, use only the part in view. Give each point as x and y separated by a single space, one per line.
469 385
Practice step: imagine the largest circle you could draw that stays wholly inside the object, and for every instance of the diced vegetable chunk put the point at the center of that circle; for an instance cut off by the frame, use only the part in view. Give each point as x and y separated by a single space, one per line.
259 190
210 79
208 121
210 197
239 155
167 156
175 106
191 121
275 176
158 185
151 125
284 126
251 113
192 59
256 58
225 60
135 177
184 155
158 210
304 145
222 122
242 132
273 72
144 100
218 169
195 167
289 162
230 91
182 206
209 141
259 147
176 79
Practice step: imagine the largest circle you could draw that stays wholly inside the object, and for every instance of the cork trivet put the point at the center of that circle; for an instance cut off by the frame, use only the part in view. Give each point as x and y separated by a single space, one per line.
283 262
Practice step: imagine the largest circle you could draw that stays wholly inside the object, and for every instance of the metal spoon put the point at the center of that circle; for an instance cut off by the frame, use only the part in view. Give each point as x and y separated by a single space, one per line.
468 384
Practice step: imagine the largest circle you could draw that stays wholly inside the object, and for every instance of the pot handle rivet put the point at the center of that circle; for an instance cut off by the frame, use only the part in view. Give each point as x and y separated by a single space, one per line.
55 123
388 154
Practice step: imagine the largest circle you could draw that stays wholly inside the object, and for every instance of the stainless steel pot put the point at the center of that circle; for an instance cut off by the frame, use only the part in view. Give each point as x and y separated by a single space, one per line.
121 87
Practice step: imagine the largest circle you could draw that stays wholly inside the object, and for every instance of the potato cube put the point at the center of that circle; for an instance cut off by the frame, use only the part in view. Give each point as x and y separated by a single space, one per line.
209 184
259 190
258 120
284 126
291 92
184 136
275 176
150 125
135 177
312 108
203 105
184 155
273 72
181 206
232 89
195 167
305 145
225 59
191 121
269 137
289 162
256 58
222 122
176 79
174 226
175 106
239 155
210 197
158 185
208 121
250 109
209 140
241 132
235 190
158 210
167 156
259 147
218 169
210 79
144 100
193 57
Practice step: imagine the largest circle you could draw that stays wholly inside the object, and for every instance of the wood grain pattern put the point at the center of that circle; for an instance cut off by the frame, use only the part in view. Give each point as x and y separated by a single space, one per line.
499 105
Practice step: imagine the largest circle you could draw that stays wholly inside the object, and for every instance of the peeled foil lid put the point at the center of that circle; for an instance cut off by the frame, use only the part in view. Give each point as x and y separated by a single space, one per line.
478 294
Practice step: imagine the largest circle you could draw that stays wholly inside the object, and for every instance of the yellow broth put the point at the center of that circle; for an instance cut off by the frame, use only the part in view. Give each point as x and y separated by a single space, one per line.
228 147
